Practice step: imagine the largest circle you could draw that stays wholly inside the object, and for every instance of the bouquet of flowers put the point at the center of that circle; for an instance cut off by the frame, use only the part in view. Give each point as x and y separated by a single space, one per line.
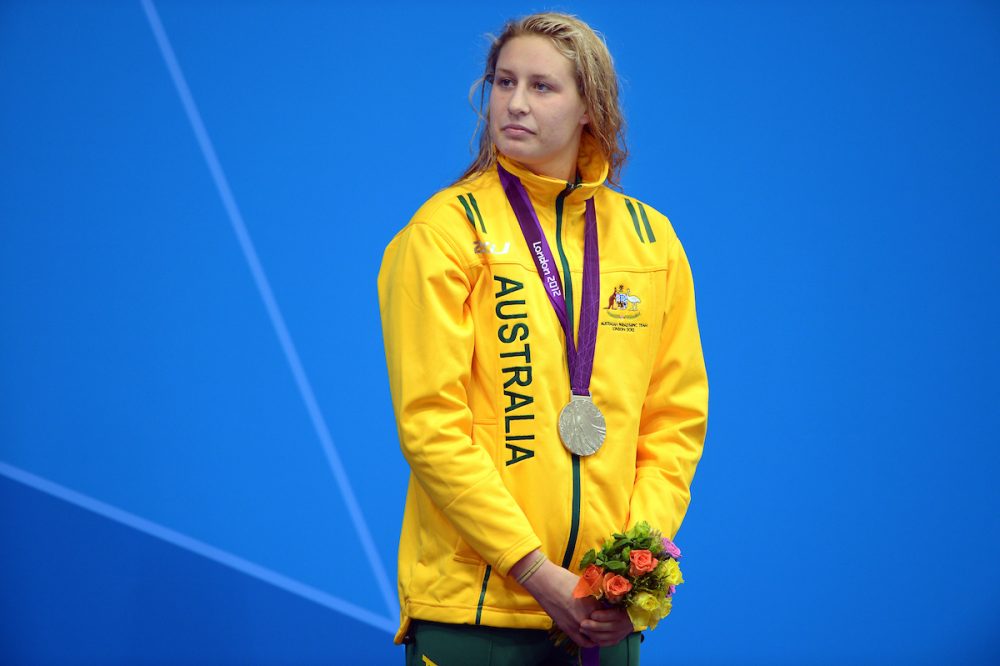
636 569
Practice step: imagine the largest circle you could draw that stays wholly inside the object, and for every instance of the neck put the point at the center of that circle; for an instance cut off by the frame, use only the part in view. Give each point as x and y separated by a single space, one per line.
564 170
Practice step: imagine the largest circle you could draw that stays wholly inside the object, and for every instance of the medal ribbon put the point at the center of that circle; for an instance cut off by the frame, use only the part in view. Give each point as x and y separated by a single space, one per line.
580 357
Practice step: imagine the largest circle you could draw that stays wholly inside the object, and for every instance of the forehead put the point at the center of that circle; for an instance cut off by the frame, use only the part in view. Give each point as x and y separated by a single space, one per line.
534 55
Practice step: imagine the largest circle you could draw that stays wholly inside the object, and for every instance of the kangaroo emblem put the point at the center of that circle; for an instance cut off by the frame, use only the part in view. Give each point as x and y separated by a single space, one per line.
623 300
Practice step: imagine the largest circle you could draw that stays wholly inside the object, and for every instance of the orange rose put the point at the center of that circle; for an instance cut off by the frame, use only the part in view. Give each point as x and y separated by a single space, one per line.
589 584
642 561
615 587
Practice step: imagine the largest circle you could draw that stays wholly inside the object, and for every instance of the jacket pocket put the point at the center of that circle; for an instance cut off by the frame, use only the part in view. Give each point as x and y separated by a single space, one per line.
482 435
465 554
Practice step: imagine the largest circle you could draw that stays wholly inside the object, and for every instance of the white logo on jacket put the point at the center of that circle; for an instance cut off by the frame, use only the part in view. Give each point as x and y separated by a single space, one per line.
485 247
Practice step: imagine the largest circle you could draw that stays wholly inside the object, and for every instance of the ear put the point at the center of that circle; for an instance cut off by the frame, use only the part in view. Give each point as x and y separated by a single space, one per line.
585 119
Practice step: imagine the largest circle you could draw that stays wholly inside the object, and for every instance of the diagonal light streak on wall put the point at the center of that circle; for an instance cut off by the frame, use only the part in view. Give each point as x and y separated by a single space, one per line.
271 305
198 547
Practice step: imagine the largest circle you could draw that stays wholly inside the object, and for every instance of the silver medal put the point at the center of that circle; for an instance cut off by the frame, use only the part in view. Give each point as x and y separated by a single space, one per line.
581 426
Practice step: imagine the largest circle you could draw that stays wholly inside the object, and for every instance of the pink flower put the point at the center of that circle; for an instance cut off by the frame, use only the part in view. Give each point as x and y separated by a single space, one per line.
670 549
671 590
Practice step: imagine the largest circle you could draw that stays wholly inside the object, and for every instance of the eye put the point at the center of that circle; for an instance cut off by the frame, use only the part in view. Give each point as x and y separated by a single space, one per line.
541 86
505 82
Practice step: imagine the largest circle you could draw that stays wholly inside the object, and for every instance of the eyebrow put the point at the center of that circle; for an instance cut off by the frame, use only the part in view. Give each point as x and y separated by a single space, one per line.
504 70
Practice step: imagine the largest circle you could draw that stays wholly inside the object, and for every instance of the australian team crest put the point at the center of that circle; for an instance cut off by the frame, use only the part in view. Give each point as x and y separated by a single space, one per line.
623 304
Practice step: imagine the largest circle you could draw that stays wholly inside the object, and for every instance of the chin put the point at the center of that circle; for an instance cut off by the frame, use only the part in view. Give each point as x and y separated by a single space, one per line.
515 151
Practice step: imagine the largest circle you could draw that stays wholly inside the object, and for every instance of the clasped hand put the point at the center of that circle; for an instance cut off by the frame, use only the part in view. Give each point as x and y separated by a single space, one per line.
585 621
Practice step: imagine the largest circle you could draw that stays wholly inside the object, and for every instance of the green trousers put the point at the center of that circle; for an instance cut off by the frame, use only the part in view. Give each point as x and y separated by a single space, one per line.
437 644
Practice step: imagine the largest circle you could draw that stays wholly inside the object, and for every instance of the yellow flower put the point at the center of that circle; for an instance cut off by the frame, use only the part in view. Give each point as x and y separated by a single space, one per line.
672 573
664 607
644 611
641 619
646 601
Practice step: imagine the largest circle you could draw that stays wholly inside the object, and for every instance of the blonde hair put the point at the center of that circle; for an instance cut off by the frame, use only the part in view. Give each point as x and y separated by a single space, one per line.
596 82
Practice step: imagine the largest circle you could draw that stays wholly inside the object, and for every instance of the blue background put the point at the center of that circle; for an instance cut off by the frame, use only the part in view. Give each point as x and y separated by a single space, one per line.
166 495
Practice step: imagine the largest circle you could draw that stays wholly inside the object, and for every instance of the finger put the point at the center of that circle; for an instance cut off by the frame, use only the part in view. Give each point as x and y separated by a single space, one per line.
600 635
580 637
607 615
591 627
606 635
603 638
615 625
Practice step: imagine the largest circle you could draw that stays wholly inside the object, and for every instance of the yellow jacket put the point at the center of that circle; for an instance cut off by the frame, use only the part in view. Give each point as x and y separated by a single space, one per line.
478 374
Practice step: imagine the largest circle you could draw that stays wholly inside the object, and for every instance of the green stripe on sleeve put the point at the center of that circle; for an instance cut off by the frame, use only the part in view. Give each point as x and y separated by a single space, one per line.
468 211
645 222
635 220
478 214
482 594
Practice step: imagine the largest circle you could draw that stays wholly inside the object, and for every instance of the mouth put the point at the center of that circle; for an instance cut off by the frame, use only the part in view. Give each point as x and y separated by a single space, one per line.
514 129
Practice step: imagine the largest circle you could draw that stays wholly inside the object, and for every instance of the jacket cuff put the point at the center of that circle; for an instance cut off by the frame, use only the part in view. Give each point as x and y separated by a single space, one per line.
513 555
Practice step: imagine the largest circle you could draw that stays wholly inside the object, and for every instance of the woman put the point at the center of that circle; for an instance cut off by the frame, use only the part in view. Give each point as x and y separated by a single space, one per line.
544 399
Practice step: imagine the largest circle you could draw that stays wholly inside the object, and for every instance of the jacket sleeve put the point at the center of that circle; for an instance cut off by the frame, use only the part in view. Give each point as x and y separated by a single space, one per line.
675 412
428 330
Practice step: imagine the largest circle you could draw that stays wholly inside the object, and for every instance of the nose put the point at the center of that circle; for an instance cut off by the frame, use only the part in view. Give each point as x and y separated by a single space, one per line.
517 103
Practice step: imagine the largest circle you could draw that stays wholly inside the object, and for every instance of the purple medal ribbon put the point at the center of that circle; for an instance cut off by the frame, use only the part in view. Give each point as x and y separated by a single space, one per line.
580 357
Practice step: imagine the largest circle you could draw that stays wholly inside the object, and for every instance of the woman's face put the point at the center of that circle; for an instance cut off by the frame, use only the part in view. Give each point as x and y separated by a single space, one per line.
536 112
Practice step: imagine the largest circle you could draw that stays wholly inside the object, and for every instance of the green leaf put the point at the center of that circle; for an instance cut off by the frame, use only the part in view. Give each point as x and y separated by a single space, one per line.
642 529
617 566
588 559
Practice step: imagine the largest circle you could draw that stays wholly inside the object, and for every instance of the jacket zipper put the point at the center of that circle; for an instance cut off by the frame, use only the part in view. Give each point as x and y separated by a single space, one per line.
574 528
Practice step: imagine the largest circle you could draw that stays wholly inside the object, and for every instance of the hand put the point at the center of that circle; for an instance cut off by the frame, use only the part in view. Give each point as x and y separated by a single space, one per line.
552 586
608 626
